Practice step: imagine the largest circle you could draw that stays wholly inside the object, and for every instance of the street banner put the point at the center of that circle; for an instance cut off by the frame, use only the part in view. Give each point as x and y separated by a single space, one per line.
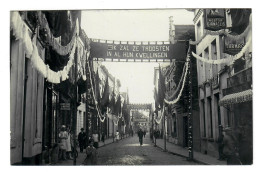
215 19
140 120
140 50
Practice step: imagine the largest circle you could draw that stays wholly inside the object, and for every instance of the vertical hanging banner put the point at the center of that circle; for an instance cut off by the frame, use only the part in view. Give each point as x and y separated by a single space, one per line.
119 50
215 19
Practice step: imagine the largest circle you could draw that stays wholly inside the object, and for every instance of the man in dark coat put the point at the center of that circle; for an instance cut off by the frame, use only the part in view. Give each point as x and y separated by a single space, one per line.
82 139
140 135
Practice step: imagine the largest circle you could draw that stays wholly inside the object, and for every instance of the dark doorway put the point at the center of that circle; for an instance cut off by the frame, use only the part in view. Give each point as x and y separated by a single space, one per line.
185 131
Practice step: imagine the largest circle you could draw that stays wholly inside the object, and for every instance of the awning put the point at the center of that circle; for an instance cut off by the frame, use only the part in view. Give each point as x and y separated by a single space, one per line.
240 97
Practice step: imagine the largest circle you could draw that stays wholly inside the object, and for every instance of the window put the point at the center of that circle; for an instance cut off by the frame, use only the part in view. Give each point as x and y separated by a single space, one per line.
214 57
239 64
199 30
218 107
207 66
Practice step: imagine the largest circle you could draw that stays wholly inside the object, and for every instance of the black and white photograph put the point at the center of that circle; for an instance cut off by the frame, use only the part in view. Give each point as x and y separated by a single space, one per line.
131 87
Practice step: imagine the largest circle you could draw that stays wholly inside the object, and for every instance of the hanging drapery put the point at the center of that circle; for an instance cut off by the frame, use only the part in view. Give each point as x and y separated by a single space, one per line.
169 97
183 82
159 121
94 96
62 50
20 31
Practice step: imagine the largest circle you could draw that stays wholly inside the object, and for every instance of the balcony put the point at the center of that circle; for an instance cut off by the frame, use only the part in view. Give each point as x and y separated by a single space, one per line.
239 82
239 78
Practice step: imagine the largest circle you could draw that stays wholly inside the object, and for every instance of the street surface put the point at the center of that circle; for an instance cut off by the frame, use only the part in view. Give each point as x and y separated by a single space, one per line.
129 152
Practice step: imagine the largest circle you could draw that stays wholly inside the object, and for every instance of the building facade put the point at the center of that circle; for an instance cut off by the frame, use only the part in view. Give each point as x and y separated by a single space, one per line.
36 113
218 84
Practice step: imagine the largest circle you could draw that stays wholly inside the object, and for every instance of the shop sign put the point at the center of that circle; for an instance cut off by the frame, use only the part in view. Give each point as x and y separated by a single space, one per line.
64 106
215 19
233 46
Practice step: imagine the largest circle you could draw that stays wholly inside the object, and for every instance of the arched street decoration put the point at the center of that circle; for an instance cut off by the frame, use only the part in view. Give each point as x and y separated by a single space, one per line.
137 51
139 106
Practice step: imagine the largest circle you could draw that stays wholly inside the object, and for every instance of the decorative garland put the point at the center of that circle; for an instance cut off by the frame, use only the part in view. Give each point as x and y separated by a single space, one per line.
183 83
62 50
184 80
229 60
94 96
159 121
20 31
178 87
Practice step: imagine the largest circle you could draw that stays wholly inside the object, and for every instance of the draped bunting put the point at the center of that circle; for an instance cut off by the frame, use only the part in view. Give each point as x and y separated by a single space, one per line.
183 83
169 97
62 50
94 96
21 32
228 60
240 19
159 121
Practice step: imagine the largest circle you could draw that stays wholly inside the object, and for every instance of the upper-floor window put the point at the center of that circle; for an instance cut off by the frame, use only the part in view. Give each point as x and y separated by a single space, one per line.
207 66
214 56
199 30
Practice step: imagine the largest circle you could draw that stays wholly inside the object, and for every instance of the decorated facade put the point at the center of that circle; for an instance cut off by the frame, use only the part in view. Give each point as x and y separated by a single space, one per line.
224 66
45 46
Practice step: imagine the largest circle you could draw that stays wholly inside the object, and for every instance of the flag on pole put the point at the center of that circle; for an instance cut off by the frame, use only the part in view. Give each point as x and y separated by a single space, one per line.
118 105
105 96
97 88
161 88
112 103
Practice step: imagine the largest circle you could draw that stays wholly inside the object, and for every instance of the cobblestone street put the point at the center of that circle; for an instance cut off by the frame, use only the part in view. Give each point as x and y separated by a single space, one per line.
129 152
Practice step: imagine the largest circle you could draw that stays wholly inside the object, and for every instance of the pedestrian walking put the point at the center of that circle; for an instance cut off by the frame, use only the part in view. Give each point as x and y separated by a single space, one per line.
144 133
117 135
103 137
230 147
140 135
82 139
91 154
63 136
95 139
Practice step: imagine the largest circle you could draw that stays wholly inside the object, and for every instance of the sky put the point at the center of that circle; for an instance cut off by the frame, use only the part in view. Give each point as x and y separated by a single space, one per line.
133 25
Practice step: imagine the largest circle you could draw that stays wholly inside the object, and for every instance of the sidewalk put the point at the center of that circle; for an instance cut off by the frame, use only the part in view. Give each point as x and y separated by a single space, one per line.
180 151
81 156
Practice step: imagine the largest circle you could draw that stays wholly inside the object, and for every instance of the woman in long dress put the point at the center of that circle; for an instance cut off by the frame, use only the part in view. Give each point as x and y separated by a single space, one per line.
117 135
63 136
